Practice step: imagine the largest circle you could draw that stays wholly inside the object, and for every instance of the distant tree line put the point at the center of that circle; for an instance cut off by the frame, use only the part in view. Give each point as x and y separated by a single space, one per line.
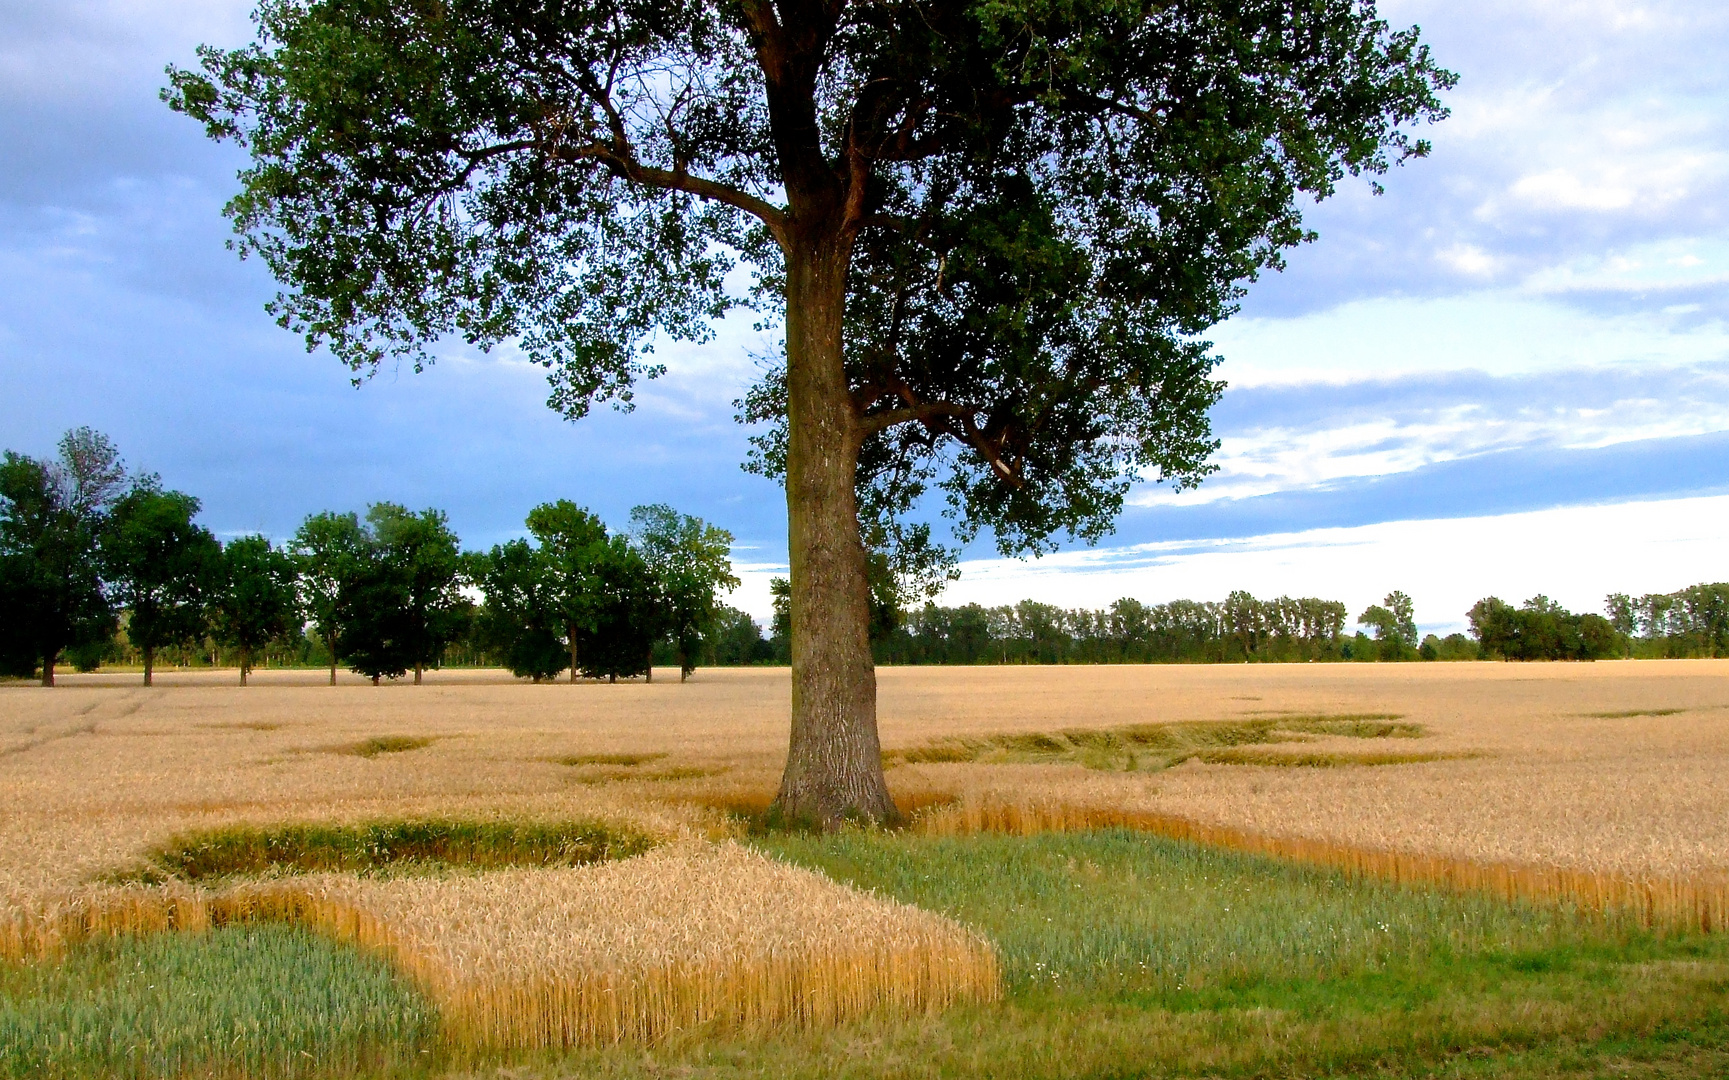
1243 628
98 564
1690 623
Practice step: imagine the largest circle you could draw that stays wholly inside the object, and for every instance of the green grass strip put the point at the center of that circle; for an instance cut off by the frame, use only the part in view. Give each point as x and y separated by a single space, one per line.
386 846
241 1001
1117 911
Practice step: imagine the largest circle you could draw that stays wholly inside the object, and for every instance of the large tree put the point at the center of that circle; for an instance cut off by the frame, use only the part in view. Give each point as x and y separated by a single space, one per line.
161 566
995 230
255 600
51 513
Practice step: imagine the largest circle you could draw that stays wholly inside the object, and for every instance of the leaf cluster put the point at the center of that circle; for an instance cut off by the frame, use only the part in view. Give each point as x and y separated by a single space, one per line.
1040 205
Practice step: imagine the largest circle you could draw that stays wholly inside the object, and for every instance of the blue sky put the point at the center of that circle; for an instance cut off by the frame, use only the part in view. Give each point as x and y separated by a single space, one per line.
1508 374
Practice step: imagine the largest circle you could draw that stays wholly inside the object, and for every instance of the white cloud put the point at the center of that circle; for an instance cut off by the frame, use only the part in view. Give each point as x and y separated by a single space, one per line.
1575 555
1468 259
1563 188
1496 333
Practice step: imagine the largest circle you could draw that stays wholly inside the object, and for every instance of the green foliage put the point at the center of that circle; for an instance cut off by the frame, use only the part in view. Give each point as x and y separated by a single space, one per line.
52 514
1239 628
1152 747
1691 622
255 600
422 558
388 846
1540 629
1395 627
265 1002
627 615
328 550
161 567
1109 913
574 544
1043 205
734 639
691 562
1451 647
522 620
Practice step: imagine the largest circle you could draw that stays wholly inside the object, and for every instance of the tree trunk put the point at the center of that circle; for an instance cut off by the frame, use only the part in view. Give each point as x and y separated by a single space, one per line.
48 669
149 664
245 663
834 769
330 640
417 674
375 680
571 630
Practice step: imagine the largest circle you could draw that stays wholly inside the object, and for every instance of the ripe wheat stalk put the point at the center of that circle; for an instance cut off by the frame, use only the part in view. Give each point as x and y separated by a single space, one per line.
689 934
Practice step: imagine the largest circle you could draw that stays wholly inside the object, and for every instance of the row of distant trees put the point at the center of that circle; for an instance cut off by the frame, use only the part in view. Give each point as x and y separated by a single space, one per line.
96 562
1244 628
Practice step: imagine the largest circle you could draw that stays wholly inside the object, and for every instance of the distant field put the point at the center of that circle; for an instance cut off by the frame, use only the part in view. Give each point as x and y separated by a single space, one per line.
1610 771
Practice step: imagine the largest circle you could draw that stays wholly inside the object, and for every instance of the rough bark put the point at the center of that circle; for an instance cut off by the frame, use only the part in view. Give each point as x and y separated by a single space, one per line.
149 665
48 669
834 767
417 674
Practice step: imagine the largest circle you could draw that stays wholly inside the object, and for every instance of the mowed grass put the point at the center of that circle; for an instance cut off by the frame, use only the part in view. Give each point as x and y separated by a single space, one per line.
240 1001
1115 911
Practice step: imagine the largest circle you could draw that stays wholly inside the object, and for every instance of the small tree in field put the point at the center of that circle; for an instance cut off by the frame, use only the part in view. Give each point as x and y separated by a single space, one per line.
162 568
522 618
996 230
51 516
374 620
255 600
1395 626
692 563
328 551
573 543
628 615
425 559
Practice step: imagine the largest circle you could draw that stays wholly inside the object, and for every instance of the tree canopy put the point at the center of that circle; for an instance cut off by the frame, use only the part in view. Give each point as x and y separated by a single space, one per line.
327 550
161 566
996 231
51 515
256 598
692 564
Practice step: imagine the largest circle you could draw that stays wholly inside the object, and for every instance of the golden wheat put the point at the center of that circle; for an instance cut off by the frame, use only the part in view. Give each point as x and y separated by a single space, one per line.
690 934
1617 772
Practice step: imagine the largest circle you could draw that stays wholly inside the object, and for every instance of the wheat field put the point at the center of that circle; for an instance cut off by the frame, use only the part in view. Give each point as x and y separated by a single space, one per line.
1601 784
